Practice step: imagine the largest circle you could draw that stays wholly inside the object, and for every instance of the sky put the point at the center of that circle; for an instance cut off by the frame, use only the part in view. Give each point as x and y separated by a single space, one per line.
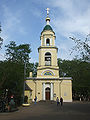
22 21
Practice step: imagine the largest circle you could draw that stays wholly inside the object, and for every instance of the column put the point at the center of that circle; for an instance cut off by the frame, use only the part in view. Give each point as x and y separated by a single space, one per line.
45 41
51 91
43 91
51 42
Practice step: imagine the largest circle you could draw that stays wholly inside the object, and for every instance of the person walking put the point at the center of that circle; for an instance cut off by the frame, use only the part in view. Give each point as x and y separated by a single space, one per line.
61 101
35 99
57 100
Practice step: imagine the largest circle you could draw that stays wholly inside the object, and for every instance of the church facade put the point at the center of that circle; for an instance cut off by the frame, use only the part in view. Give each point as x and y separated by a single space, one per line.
48 85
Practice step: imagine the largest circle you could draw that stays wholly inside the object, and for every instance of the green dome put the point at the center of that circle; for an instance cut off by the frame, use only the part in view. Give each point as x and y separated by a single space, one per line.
48 27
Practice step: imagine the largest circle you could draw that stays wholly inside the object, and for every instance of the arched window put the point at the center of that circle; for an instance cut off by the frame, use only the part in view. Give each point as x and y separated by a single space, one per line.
48 53
48 42
48 59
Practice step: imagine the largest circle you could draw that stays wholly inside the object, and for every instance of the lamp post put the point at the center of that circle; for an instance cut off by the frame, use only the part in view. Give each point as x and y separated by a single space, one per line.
24 80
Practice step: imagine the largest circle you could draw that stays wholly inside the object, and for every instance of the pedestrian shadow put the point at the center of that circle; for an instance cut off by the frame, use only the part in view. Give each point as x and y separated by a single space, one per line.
59 108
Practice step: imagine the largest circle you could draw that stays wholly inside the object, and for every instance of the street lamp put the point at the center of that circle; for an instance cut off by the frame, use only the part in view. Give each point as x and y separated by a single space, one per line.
24 80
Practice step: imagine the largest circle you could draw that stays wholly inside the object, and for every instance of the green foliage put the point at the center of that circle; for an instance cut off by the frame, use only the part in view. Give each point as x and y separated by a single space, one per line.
18 53
13 70
80 73
35 69
80 69
11 77
31 67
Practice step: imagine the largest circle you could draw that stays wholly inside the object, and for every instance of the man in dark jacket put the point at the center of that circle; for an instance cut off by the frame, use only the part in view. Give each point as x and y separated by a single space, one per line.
61 101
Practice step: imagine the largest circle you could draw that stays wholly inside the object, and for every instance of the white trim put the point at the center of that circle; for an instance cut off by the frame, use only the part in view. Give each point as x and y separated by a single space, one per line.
67 100
65 78
47 85
49 49
50 41
51 93
43 40
66 81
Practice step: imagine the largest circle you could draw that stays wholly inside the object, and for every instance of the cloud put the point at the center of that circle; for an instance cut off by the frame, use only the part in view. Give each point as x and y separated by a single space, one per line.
2 56
36 12
10 19
75 17
11 25
12 22
69 18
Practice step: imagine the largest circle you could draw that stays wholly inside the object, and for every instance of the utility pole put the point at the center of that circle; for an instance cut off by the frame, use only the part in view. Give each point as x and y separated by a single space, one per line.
24 80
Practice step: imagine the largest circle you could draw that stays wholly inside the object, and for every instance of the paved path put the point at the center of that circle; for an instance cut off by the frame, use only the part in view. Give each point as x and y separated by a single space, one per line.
49 111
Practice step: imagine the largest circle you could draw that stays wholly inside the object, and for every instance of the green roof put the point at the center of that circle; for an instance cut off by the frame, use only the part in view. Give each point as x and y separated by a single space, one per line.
48 27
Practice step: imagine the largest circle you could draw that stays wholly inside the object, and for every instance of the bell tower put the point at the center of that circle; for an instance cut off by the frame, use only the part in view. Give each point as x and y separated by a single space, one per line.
48 67
48 85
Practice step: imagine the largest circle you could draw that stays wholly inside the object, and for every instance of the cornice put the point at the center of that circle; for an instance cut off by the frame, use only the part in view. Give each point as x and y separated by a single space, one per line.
47 67
47 47
61 78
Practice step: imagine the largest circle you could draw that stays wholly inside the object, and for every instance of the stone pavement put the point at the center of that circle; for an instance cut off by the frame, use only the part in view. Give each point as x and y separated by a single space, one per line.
49 111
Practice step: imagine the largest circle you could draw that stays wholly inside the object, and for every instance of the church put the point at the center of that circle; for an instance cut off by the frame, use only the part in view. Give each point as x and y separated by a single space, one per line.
48 85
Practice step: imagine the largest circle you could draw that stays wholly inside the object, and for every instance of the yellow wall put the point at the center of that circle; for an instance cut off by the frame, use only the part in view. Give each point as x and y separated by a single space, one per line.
66 90
31 84
39 90
41 71
53 52
56 90
62 88
47 34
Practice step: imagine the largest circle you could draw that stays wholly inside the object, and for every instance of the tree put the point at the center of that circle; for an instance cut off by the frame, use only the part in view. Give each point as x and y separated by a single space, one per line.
80 73
35 69
32 67
11 77
83 47
12 70
18 53
1 40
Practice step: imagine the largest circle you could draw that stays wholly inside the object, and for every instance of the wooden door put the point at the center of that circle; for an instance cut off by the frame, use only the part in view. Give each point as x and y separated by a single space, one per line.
47 93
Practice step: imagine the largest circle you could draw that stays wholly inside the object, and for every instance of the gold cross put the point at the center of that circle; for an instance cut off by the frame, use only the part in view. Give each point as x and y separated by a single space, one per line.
47 11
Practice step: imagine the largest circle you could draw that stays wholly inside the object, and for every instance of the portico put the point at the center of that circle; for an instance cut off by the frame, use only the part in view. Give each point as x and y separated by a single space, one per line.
47 91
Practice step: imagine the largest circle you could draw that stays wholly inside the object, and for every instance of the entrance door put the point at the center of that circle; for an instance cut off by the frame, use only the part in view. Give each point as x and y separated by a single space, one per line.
47 93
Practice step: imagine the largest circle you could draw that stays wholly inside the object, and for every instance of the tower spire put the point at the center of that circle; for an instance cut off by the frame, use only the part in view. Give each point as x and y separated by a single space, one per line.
47 18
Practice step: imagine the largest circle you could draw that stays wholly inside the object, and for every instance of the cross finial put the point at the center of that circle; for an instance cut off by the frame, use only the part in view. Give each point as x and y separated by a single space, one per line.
47 11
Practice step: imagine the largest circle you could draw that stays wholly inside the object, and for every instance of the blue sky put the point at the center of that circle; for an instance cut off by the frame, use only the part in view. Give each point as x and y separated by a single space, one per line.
23 21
